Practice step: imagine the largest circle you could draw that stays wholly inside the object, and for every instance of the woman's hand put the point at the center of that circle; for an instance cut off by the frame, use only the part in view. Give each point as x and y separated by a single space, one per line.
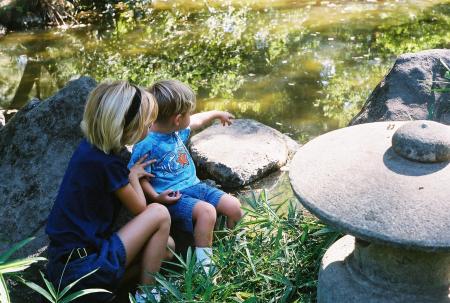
168 197
225 117
138 170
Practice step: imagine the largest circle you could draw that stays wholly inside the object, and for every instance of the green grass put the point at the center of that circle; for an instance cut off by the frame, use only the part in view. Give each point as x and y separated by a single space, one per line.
273 255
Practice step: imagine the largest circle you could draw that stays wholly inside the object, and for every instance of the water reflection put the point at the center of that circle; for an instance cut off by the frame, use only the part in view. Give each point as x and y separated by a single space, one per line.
303 67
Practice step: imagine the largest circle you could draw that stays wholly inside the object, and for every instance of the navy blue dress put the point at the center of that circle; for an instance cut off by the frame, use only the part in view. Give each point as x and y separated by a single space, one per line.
82 217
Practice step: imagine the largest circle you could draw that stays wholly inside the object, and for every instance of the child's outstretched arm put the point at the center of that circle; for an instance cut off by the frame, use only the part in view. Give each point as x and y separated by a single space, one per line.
166 197
202 119
132 195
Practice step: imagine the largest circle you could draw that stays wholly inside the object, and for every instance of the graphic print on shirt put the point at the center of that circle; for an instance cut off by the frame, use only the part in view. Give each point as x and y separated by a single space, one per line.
172 162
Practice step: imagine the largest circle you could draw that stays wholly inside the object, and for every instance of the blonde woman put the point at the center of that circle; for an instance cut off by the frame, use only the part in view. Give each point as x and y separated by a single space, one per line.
96 183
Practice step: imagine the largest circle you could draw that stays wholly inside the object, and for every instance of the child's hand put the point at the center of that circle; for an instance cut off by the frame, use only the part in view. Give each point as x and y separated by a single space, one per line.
168 197
225 118
138 170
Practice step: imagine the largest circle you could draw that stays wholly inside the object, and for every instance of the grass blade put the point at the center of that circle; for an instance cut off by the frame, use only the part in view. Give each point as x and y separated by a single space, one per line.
50 286
4 294
170 287
6 255
18 265
68 287
39 290
81 293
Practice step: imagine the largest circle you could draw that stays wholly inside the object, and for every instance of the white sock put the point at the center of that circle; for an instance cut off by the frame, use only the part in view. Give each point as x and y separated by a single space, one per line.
204 255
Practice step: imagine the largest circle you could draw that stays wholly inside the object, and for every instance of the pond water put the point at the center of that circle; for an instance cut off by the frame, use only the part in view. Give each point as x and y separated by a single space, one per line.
302 67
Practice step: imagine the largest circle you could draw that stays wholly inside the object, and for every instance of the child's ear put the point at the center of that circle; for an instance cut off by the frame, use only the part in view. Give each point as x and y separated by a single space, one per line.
177 119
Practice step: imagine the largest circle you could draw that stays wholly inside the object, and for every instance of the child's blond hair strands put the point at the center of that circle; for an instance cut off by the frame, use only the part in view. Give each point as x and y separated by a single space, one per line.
173 97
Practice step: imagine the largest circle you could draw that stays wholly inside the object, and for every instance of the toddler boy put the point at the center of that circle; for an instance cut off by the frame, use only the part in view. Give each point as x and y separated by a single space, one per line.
192 204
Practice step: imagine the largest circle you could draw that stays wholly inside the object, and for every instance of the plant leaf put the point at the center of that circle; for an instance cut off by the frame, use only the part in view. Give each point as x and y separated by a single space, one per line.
6 255
169 286
447 75
18 265
49 285
39 290
445 65
4 294
81 293
68 287
324 231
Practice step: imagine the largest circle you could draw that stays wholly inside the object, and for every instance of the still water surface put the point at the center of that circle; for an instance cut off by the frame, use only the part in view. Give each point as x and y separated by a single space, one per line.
303 67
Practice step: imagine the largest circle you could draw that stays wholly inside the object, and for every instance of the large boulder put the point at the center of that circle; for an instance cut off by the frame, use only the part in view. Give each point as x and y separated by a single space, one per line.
35 147
407 92
239 154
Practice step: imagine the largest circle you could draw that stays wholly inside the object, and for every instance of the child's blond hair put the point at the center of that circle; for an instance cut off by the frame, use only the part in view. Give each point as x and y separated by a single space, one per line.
173 97
104 116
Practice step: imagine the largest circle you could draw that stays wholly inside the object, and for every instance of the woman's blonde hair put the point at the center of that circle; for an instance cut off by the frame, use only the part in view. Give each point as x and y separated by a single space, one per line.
104 116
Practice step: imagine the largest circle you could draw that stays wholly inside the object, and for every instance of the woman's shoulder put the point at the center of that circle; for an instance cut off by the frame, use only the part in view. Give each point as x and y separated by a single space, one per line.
89 155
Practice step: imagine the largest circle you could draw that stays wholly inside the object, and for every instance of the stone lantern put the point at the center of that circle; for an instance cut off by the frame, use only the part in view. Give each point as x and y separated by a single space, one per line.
387 185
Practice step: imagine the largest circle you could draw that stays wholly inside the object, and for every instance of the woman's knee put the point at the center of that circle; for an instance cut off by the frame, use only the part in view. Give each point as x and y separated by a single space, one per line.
158 212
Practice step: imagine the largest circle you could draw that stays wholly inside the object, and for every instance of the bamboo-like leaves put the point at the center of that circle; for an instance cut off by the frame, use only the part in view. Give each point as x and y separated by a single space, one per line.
14 266
63 297
272 255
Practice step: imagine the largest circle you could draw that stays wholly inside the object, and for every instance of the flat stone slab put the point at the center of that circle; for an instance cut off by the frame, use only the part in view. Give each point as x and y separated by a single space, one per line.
239 154
423 141
352 179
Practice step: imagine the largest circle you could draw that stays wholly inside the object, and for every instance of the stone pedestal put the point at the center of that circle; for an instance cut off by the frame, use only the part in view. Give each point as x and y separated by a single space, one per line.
387 184
355 272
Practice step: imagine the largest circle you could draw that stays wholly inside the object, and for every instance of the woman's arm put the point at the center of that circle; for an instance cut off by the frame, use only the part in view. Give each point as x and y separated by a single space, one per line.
132 195
202 119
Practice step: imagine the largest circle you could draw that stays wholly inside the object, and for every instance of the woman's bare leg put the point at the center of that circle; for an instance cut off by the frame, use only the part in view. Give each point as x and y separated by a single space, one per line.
149 232
133 271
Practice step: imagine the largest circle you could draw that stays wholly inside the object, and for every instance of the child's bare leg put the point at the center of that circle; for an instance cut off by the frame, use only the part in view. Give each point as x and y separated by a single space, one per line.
230 207
204 217
149 232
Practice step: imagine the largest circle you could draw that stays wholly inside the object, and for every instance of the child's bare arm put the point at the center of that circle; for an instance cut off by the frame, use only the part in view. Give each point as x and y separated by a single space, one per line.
166 197
202 119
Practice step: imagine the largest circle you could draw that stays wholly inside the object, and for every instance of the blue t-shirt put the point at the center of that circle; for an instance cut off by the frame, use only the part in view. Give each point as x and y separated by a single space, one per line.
86 206
174 168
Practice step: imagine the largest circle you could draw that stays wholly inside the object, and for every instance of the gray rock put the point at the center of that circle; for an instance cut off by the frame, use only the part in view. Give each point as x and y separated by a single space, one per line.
8 114
35 147
239 154
406 92
352 179
423 141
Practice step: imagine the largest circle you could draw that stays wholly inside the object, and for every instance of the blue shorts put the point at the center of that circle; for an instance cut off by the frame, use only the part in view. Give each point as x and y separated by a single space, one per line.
181 212
110 261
